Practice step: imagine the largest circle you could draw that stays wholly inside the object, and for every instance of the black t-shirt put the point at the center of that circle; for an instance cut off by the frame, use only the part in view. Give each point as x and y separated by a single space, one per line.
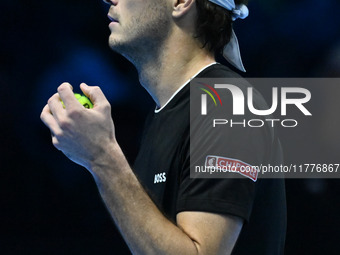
163 168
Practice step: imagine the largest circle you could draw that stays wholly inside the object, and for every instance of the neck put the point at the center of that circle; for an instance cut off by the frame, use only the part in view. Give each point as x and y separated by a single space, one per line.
171 66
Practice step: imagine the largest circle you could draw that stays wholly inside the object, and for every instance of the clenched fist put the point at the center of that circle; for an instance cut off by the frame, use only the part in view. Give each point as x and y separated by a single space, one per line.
84 135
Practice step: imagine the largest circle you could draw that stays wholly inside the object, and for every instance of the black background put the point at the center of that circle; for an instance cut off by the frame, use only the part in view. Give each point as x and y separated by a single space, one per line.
48 205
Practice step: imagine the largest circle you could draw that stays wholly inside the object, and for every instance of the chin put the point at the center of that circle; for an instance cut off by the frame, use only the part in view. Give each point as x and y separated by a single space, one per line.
113 42
117 45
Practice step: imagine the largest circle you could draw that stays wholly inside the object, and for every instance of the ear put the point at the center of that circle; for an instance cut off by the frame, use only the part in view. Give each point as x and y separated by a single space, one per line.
182 7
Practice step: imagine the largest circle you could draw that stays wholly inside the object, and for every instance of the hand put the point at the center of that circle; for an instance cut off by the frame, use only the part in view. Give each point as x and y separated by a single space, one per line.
83 135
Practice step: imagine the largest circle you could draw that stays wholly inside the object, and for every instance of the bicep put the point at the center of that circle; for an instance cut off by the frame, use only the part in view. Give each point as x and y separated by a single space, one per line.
211 233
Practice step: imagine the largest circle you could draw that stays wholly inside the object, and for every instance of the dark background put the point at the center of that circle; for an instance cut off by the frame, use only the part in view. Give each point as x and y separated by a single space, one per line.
48 205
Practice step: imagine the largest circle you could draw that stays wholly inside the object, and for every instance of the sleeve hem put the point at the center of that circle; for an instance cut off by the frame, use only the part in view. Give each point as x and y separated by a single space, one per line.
213 206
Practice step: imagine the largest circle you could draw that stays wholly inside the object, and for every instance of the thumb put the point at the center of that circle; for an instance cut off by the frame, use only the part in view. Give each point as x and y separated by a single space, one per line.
94 93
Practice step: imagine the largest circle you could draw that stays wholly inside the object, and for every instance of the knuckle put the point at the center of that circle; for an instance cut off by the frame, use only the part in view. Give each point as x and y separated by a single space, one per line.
65 124
58 134
107 106
63 86
74 113
55 143
96 88
50 100
43 118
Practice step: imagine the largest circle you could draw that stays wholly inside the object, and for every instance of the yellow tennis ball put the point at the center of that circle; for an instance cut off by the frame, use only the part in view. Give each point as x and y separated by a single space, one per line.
85 101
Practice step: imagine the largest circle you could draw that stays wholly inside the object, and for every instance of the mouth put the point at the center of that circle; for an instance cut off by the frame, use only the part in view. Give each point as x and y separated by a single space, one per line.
112 19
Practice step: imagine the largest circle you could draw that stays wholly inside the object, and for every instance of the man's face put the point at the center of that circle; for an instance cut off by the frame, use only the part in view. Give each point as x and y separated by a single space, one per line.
138 26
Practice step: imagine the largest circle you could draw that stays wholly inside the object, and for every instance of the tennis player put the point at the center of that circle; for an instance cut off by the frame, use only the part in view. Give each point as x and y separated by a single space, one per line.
156 206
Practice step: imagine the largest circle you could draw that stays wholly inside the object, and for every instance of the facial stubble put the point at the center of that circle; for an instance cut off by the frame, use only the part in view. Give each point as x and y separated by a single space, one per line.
144 34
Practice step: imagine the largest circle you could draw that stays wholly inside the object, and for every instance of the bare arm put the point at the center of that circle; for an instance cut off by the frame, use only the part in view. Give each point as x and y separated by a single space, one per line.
87 137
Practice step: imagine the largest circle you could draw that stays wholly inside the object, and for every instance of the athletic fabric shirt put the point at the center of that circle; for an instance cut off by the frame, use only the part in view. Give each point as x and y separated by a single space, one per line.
163 168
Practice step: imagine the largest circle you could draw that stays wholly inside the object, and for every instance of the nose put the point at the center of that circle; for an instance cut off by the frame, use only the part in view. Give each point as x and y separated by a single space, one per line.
111 2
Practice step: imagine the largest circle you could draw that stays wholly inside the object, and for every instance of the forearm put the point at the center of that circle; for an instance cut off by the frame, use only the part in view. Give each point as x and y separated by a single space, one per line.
145 229
87 137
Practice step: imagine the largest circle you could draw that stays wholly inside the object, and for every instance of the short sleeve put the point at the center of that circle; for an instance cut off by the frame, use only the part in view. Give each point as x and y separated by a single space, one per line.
234 192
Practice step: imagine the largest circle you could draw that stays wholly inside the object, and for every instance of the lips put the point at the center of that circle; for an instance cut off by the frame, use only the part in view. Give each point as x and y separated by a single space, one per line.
112 19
